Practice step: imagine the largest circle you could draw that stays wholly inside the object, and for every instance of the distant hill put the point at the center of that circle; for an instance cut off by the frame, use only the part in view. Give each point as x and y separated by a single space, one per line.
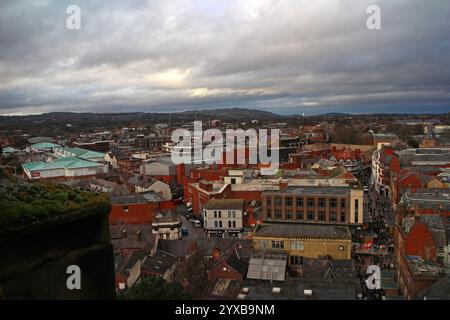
61 119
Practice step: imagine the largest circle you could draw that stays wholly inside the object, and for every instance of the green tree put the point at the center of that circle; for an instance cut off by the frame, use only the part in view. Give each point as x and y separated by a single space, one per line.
155 288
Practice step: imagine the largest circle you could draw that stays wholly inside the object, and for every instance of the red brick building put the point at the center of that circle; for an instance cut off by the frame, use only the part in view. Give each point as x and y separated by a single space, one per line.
419 243
139 208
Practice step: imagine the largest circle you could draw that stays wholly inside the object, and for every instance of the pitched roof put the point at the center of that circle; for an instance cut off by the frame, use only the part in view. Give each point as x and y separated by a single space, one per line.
302 230
437 291
225 204
61 163
44 145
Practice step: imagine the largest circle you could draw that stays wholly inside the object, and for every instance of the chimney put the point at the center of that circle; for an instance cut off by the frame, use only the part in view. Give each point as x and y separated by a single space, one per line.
124 233
283 185
208 186
216 254
139 235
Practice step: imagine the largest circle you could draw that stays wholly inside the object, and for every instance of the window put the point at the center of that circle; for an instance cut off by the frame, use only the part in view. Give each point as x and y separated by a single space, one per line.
216 224
299 202
229 224
229 214
299 215
220 224
288 202
296 260
215 214
288 215
206 214
321 202
234 214
269 201
356 210
277 244
220 214
310 215
310 202
278 214
278 201
264 244
333 203
343 204
321 216
234 224
343 218
333 216
297 245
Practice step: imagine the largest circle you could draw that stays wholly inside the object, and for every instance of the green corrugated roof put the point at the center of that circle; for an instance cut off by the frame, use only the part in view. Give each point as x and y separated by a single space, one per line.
44 145
9 150
61 163
84 153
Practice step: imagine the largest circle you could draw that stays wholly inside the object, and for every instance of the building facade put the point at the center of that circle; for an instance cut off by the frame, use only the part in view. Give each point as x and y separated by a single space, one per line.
303 240
223 217
334 205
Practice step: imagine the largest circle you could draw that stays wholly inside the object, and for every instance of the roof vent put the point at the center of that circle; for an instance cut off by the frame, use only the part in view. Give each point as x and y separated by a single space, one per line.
276 290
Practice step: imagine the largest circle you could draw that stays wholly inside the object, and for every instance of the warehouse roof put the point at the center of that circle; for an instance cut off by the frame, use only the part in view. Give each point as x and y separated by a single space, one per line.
61 163
44 145
83 153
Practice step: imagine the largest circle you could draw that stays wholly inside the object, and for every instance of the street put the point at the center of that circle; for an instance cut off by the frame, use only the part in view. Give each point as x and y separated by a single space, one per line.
194 232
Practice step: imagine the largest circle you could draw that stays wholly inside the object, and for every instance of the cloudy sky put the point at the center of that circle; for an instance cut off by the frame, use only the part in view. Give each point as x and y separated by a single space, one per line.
285 56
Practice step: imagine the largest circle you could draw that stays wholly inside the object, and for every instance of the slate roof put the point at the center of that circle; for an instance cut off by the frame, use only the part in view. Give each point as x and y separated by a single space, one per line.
302 230
437 291
225 204
150 196
160 262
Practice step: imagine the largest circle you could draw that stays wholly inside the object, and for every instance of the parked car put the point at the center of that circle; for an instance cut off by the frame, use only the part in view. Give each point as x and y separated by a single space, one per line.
189 209
197 223
184 231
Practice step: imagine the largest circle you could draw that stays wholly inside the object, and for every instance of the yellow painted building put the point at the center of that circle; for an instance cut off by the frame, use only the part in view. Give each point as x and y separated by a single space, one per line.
304 240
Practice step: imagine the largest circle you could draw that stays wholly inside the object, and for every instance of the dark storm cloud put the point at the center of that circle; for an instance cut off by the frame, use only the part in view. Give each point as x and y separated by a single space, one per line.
289 56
